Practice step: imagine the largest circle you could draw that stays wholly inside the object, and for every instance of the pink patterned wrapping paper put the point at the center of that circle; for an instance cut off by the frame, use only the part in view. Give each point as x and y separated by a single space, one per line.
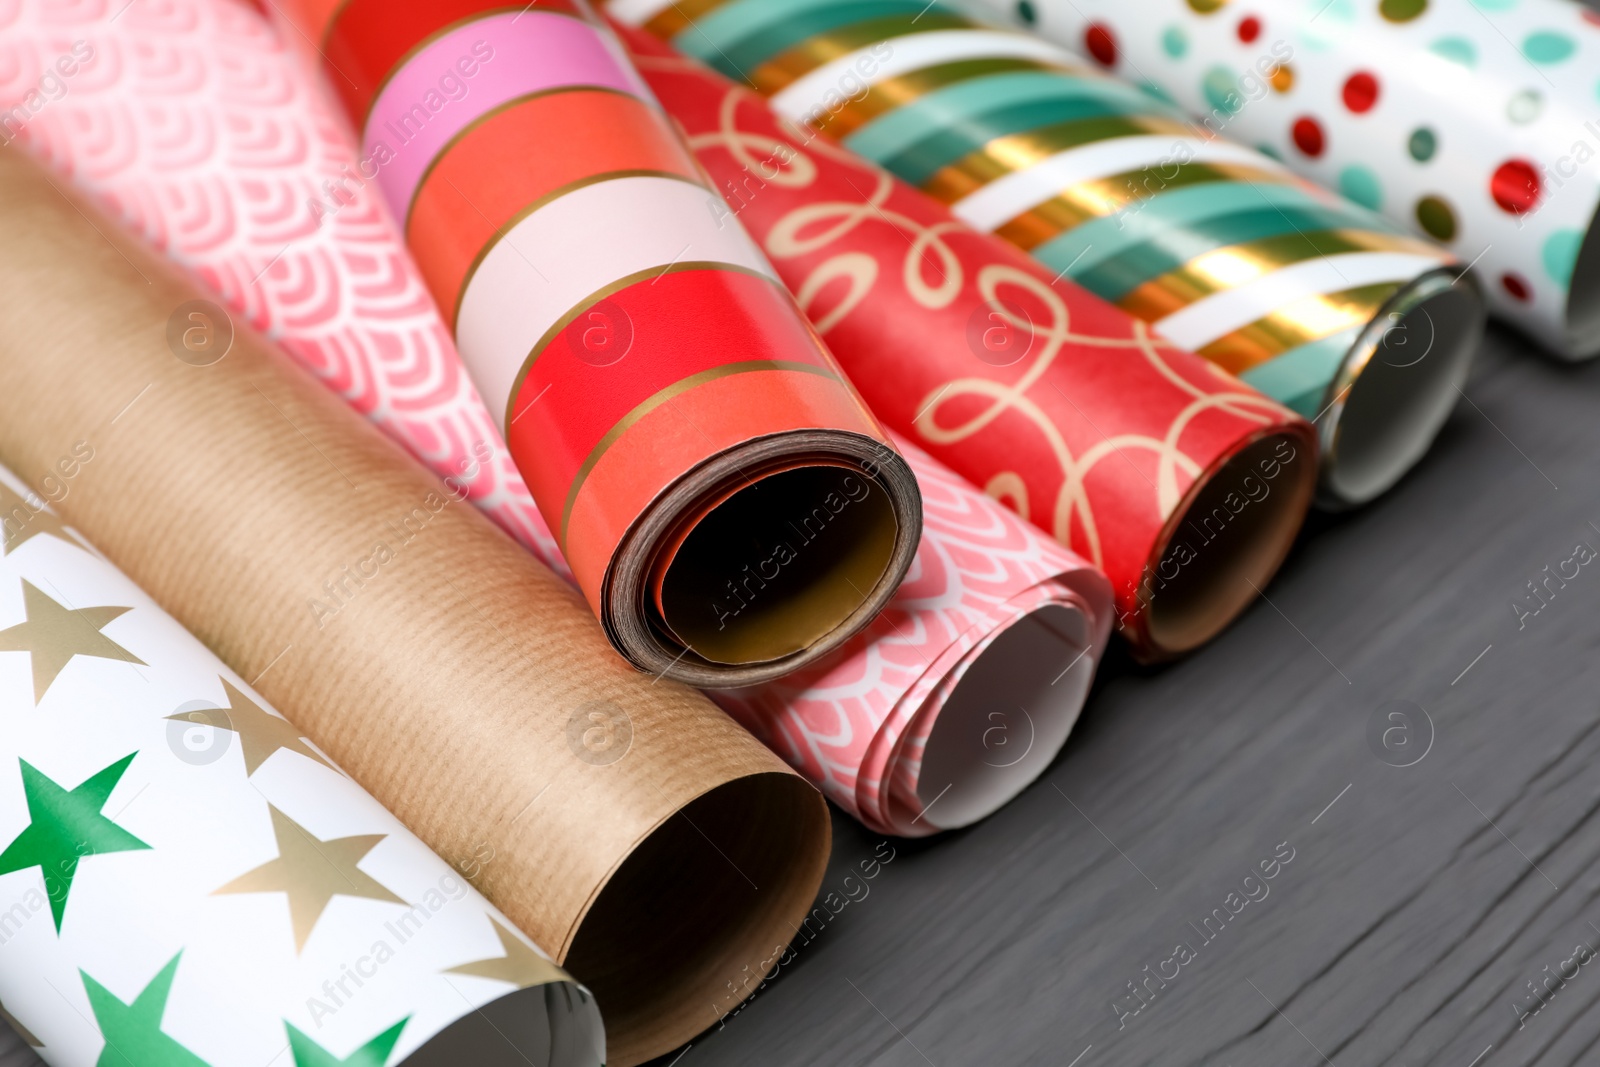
195 123
199 126
858 723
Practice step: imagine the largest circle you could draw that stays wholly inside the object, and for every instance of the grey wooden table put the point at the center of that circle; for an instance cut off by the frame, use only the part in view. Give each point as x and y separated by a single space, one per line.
1409 905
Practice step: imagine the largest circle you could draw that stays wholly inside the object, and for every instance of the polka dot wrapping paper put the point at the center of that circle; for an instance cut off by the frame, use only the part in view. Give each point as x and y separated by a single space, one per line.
1473 122
1316 301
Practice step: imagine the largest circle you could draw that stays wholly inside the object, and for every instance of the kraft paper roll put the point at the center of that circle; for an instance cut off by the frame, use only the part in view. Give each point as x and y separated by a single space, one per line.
1148 461
963 690
1315 301
1475 124
186 880
622 822
669 406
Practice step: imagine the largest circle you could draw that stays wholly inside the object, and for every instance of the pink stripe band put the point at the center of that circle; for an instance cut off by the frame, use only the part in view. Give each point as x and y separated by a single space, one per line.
432 98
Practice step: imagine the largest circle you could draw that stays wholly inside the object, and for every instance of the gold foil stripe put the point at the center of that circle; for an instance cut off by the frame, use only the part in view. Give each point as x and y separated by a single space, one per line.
679 16
1228 268
555 194
1019 151
1098 198
498 109
609 289
663 396
1300 322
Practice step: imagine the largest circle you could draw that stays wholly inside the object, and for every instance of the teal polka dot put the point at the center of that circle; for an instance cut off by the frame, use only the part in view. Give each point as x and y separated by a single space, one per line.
1547 46
1423 144
1175 42
1361 185
1494 5
1222 90
1457 50
1561 255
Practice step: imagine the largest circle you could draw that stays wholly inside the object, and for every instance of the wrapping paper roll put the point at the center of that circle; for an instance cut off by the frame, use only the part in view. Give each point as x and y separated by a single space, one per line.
1315 301
461 683
1477 124
186 880
1119 444
194 124
650 373
963 690
235 58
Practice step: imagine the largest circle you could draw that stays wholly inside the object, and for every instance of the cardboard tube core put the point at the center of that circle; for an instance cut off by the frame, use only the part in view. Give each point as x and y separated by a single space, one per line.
1225 542
651 947
779 564
1007 718
1401 380
1583 298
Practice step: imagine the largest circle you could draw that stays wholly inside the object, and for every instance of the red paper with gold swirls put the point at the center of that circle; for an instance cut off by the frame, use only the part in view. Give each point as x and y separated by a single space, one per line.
1064 407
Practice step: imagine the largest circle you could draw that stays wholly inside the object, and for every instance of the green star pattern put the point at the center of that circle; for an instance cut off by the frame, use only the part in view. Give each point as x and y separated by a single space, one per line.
67 827
133 1031
375 1053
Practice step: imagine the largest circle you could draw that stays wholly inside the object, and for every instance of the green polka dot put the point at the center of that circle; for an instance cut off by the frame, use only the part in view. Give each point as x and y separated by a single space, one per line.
1457 50
1422 145
1436 218
1361 185
1206 7
1524 107
1401 10
1026 13
1175 42
1547 46
1221 90
1561 255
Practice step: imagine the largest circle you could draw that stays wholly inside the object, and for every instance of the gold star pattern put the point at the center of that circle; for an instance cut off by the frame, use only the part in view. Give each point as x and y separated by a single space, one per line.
521 966
311 873
261 733
53 634
22 522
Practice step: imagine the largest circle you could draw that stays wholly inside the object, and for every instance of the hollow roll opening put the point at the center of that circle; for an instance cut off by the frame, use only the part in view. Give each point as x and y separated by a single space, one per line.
701 910
552 1025
1583 295
1007 718
1224 543
763 559
1397 386
777 565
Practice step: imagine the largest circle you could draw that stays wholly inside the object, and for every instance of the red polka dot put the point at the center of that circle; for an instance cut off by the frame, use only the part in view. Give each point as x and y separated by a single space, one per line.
1591 16
1101 44
1515 186
1360 92
1308 136
1249 28
1514 285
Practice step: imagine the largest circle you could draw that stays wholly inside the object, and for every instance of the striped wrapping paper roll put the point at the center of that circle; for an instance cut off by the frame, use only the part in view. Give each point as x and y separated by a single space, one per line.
1476 123
622 821
649 372
1315 301
963 690
1147 460
186 881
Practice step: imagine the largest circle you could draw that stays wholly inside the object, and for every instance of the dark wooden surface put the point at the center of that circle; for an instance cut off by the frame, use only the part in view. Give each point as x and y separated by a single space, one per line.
1415 907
